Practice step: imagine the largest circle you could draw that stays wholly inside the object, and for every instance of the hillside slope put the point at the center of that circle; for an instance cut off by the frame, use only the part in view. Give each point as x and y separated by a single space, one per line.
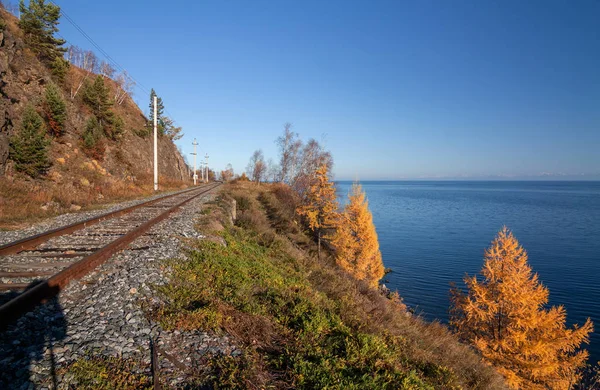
300 322
74 178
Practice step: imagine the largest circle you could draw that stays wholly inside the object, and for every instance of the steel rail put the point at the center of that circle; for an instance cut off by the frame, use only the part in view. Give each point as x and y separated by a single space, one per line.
47 289
33 241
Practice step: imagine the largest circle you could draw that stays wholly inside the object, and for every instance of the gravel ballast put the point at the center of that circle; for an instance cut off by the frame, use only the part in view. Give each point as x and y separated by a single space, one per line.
70 218
102 314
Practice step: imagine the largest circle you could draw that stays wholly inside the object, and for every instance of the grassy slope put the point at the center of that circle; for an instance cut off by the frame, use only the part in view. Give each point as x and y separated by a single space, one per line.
303 323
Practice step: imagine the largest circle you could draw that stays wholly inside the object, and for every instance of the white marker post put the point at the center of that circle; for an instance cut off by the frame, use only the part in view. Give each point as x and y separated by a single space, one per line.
155 149
195 175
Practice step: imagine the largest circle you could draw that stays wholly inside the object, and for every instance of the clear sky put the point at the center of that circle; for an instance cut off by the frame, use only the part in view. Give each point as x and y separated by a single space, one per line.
397 89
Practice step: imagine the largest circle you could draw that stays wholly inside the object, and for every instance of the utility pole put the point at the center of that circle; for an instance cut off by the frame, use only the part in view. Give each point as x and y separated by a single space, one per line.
206 159
195 175
155 149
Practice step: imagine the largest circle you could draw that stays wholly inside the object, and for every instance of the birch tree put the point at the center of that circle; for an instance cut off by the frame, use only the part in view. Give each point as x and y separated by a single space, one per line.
125 85
289 145
311 157
106 70
88 62
257 167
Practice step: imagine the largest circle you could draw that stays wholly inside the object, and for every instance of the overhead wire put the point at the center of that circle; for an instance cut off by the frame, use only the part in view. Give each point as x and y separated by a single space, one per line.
106 55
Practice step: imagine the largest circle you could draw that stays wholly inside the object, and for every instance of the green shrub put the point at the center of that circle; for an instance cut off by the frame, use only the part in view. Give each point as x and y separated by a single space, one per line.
92 142
142 133
59 68
56 110
272 294
118 128
29 147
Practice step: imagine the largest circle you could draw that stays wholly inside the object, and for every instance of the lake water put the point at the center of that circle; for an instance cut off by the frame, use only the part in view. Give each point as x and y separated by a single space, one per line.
432 233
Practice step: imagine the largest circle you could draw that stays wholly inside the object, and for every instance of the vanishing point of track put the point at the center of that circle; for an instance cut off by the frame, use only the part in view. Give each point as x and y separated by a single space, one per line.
84 245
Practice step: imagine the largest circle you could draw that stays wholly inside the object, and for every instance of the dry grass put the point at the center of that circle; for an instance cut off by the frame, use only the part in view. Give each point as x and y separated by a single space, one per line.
25 201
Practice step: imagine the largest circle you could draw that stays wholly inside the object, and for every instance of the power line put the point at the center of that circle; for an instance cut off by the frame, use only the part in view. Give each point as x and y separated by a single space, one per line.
97 46
106 55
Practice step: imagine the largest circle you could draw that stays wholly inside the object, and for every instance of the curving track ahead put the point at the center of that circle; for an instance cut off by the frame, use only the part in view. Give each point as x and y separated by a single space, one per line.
72 251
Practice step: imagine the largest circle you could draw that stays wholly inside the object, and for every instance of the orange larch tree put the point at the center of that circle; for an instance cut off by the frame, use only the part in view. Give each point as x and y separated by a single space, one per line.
505 317
321 207
355 240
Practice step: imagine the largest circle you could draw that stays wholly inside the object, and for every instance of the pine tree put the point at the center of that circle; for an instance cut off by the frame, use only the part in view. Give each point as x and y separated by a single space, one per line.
39 22
118 128
505 317
59 67
29 147
96 96
55 110
355 240
320 209
91 139
160 108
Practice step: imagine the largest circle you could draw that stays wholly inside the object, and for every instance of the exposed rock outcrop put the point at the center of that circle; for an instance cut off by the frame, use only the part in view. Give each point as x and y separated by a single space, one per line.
23 81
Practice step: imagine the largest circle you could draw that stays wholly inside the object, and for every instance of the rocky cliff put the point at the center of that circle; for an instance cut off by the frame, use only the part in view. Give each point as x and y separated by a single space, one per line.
128 159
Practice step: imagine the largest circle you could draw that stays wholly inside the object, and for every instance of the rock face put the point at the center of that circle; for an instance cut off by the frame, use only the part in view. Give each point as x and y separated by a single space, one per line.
23 81
3 151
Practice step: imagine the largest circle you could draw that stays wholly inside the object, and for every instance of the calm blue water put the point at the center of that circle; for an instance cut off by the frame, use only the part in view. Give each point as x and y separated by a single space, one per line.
432 233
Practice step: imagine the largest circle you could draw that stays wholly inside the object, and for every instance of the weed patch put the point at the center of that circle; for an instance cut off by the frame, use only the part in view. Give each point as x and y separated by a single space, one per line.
107 373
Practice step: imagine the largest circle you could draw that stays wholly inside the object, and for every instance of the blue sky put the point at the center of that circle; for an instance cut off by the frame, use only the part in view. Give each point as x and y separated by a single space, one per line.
396 89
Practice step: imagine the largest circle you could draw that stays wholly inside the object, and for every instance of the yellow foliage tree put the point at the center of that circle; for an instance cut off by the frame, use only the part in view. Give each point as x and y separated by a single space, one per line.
505 317
321 206
355 240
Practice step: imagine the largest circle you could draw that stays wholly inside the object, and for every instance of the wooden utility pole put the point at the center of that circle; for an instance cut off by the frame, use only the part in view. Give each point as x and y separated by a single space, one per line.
155 149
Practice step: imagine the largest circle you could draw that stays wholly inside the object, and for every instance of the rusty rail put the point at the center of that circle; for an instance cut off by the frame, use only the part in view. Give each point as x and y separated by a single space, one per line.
33 241
28 300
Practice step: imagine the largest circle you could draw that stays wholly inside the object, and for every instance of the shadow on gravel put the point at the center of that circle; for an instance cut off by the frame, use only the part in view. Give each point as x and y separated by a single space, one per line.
27 348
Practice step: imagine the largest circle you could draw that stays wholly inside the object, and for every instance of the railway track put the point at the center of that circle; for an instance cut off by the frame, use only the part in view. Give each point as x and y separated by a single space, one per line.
36 268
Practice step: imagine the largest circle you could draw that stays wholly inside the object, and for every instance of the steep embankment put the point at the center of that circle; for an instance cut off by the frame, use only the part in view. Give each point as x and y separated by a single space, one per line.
300 322
74 179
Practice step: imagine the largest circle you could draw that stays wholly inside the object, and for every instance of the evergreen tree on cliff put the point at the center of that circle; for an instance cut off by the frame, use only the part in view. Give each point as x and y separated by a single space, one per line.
39 22
55 110
29 146
505 316
96 96
355 240
320 208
